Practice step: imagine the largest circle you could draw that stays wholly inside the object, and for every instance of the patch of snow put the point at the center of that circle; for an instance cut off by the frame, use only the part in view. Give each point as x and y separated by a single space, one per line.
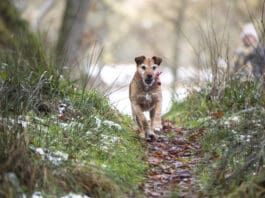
93 70
64 125
36 195
204 119
117 77
104 148
186 73
120 99
98 122
71 125
74 195
117 74
242 137
23 121
235 119
222 64
166 77
107 141
111 124
181 93
20 120
12 177
234 132
55 158
107 123
40 151
226 123
104 166
39 119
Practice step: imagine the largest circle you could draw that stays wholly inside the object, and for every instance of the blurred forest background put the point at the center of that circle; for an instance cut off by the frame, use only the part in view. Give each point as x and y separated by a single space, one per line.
126 28
114 32
61 135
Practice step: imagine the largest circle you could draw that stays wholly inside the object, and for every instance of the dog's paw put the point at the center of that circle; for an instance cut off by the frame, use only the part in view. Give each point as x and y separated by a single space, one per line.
150 135
157 129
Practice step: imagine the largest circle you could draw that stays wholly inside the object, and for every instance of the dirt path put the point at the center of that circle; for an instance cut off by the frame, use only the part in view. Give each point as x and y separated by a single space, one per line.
172 159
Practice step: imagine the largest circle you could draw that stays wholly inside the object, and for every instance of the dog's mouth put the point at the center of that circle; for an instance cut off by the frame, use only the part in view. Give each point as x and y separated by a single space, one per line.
148 81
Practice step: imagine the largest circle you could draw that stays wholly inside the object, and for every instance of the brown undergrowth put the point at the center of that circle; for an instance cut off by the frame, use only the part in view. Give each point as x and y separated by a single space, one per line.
172 158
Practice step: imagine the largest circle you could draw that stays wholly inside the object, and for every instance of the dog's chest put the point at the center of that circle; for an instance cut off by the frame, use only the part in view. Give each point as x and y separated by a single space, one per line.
148 97
147 101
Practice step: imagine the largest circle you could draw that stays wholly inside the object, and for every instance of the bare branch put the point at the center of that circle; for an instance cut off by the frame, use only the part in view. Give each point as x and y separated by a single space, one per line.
44 10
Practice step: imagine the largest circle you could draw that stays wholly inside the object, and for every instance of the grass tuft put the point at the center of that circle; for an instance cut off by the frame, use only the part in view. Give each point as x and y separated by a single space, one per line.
233 142
89 148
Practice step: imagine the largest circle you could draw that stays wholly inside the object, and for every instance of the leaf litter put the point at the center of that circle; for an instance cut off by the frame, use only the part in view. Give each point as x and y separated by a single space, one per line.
172 160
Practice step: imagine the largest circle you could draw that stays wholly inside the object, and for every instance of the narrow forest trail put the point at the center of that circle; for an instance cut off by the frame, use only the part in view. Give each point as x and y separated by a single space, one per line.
172 159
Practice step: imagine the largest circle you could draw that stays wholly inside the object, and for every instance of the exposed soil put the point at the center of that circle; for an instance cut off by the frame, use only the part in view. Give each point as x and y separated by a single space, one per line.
172 159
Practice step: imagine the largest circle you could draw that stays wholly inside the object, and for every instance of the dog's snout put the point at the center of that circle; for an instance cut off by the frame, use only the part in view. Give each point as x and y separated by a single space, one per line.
149 79
149 76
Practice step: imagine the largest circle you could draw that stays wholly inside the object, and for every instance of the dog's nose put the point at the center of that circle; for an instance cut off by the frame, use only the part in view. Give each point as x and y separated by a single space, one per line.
149 76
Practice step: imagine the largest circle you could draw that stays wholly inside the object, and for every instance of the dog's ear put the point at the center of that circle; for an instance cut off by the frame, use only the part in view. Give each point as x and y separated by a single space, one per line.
139 60
157 60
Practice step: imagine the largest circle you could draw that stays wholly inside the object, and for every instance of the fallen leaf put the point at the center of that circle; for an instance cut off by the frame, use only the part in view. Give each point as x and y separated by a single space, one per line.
154 160
217 114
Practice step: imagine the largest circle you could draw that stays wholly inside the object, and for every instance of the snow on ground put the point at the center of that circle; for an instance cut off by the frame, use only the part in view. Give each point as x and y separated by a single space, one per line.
108 123
55 158
120 99
73 195
119 76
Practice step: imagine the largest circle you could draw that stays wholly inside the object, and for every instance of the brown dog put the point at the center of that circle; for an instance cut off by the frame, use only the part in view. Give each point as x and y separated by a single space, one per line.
145 95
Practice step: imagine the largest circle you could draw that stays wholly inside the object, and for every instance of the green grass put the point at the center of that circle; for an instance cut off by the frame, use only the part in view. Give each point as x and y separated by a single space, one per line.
190 112
115 151
103 160
233 142
111 147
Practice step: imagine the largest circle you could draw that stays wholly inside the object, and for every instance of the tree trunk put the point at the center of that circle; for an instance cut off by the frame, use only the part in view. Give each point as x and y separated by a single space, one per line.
69 41
178 26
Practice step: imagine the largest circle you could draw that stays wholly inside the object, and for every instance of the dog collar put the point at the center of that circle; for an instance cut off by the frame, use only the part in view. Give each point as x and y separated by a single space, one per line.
157 79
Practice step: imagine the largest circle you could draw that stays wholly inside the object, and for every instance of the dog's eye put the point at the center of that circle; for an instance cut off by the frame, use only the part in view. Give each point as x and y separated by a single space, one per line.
154 67
143 67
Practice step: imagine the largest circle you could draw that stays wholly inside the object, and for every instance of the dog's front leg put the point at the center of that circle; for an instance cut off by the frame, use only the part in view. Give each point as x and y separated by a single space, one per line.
145 129
155 116
138 122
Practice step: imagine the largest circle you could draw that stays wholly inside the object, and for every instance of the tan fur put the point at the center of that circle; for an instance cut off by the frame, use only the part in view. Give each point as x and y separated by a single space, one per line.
146 97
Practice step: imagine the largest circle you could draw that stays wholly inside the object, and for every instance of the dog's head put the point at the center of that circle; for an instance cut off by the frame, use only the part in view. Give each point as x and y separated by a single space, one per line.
148 68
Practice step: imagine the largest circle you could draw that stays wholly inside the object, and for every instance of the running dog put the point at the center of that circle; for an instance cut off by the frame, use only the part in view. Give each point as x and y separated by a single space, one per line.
146 96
